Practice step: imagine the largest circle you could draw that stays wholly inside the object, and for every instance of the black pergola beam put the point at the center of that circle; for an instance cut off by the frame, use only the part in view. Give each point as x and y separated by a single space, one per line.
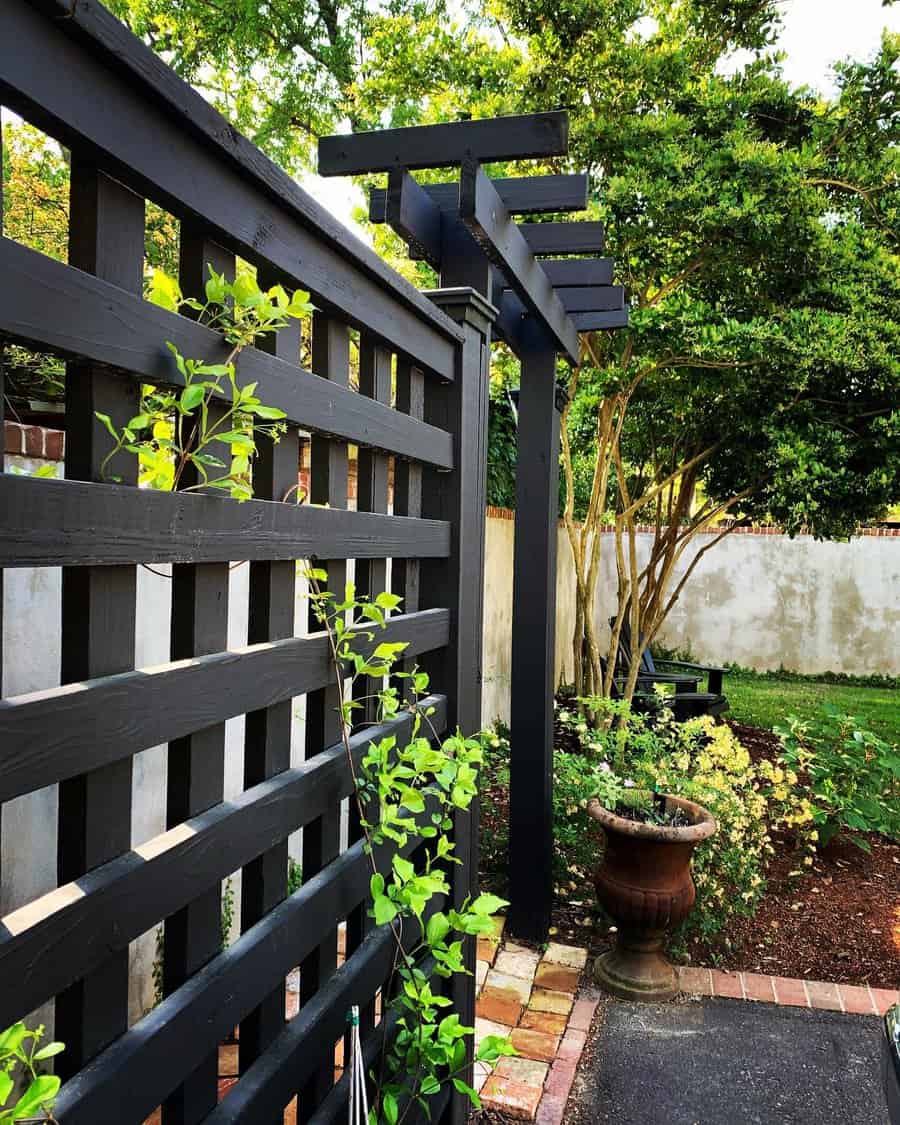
414 215
566 272
521 195
441 146
482 211
589 298
600 321
546 239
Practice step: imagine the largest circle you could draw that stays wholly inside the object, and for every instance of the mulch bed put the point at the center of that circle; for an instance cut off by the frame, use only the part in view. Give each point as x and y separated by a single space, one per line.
839 921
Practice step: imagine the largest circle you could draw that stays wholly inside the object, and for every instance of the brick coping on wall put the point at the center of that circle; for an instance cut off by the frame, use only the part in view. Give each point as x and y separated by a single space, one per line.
878 532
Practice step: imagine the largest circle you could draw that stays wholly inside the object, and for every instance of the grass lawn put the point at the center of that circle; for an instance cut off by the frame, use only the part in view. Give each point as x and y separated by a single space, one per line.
763 702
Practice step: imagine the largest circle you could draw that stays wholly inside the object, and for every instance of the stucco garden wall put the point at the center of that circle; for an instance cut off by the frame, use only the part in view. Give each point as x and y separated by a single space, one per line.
758 599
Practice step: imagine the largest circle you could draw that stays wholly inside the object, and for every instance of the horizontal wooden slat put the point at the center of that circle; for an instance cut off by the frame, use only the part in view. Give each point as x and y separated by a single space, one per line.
48 736
578 271
599 321
586 237
95 320
521 195
62 936
68 523
517 137
120 106
482 211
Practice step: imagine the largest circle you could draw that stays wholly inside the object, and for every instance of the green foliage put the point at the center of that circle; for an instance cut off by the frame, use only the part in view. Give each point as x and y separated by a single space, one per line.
211 416
501 460
295 876
409 793
854 776
22 1054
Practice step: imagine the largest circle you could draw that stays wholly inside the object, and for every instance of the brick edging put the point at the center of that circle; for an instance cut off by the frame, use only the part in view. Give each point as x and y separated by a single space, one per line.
854 999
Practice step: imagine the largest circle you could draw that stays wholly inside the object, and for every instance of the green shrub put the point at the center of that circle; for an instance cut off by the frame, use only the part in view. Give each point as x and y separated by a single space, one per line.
704 762
853 775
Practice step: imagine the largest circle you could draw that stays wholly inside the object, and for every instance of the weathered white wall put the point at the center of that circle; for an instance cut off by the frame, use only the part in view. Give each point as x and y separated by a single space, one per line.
763 601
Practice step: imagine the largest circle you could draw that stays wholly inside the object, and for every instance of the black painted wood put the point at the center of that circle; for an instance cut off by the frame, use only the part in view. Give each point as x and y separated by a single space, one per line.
405 573
600 321
414 215
106 237
459 582
49 523
101 322
267 737
440 146
482 210
591 298
321 838
195 777
533 647
546 239
373 470
147 128
51 735
521 195
564 272
64 934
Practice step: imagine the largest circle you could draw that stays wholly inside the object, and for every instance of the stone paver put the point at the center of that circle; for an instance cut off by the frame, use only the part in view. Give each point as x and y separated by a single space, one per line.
557 978
517 964
550 1022
513 1098
530 1072
512 987
499 1006
543 1000
535 1044
569 955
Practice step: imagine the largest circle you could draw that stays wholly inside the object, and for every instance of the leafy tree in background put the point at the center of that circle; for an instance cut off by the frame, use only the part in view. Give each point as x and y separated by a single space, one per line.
754 225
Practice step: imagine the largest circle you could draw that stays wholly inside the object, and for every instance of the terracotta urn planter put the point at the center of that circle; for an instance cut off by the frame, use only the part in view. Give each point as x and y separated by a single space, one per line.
644 882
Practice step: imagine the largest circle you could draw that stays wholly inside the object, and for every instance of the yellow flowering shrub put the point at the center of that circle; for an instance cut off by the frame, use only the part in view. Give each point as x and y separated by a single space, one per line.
705 762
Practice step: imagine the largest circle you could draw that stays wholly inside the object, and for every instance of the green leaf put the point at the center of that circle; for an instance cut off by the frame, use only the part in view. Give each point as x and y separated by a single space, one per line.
430 1086
390 1109
376 885
12 1037
385 910
164 291
269 412
437 929
404 868
462 1088
488 904
107 422
6 1085
50 1050
192 396
41 1092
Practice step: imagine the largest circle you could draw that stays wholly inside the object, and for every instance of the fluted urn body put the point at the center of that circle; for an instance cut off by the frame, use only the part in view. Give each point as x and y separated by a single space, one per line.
644 883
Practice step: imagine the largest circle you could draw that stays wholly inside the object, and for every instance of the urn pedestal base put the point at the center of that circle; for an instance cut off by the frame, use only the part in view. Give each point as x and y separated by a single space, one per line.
637 969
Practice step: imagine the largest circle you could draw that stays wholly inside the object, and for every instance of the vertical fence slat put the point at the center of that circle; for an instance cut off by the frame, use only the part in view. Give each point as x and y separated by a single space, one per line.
371 579
196 764
267 741
408 483
106 237
321 839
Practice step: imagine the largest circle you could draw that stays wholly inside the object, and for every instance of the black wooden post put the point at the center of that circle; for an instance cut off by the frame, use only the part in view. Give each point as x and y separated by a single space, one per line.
458 582
533 644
